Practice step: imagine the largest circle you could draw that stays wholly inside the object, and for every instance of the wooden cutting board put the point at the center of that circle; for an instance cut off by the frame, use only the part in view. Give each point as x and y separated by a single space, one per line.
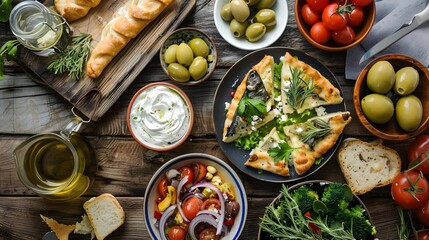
124 68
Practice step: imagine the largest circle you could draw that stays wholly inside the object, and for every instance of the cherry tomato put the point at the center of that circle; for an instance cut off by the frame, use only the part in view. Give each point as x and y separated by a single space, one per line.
162 187
229 221
344 36
187 171
362 3
356 17
176 233
157 215
208 234
423 214
211 204
191 207
309 15
200 171
318 5
407 184
423 235
320 33
416 149
334 17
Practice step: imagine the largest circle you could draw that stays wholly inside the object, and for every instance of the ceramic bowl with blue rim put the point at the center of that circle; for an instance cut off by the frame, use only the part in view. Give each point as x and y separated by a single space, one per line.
161 213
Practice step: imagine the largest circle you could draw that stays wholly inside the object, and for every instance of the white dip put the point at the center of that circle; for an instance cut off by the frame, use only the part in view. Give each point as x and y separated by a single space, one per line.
159 116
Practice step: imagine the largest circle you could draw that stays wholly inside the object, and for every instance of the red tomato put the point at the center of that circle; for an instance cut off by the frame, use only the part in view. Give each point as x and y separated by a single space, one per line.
423 235
187 171
200 171
191 207
176 233
334 17
318 5
418 148
208 234
162 187
211 203
309 15
423 214
362 3
356 17
344 36
410 190
320 33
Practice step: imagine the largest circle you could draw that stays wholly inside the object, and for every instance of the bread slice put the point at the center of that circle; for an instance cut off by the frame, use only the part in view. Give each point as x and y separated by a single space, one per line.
368 165
105 214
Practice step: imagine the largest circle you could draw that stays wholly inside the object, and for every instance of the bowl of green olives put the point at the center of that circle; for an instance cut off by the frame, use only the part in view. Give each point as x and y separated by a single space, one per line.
250 24
188 56
391 97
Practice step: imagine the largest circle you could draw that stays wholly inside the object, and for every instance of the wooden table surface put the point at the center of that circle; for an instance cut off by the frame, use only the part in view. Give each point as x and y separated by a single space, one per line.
125 168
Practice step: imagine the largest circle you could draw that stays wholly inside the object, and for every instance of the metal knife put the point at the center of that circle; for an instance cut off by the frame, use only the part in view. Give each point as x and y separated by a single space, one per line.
417 20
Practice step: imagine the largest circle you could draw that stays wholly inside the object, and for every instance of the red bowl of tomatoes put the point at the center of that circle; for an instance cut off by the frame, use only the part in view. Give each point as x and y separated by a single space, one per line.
334 25
193 196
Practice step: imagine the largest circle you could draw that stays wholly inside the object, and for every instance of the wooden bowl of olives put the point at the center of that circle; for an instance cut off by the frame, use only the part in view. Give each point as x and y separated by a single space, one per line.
322 27
391 97
188 56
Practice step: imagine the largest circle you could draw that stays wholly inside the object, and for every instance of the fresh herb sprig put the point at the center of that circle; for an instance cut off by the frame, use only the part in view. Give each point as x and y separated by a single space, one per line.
299 89
249 107
73 58
10 49
281 152
314 130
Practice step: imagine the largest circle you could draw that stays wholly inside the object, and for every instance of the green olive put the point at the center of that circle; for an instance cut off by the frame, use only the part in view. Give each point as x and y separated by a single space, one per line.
262 4
240 10
199 47
377 108
266 17
170 54
251 2
198 68
255 31
237 28
409 112
178 72
381 77
225 12
184 54
406 81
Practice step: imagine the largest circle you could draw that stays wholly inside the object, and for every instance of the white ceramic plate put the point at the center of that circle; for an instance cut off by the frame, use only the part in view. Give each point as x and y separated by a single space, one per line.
227 173
281 9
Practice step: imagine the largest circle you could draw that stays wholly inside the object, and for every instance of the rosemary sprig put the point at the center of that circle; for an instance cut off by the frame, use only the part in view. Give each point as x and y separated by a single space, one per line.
403 230
73 58
315 129
299 89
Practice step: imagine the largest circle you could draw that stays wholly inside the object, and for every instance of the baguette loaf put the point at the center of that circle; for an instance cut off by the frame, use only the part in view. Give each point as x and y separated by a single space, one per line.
368 165
126 24
74 9
105 214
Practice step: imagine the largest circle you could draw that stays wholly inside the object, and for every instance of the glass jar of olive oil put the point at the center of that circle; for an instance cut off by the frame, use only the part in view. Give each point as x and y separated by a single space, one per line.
39 28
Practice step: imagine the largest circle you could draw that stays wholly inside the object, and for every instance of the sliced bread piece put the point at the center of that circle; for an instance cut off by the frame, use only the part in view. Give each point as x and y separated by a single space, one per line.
368 165
105 214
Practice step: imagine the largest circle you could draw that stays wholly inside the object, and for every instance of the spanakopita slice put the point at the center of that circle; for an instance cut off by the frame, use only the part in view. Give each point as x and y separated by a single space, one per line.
303 87
260 157
251 105
314 138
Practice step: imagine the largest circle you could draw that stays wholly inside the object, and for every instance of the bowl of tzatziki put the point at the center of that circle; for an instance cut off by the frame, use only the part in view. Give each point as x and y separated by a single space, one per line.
160 116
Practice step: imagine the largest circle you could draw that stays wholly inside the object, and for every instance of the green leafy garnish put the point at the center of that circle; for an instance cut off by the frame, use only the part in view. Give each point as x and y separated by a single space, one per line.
5 9
314 130
277 79
249 107
299 89
10 49
73 58
281 152
318 160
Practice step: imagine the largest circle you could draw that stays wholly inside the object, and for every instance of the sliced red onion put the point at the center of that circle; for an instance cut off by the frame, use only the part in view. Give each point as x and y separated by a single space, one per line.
209 212
193 194
174 183
179 203
167 213
207 219
222 203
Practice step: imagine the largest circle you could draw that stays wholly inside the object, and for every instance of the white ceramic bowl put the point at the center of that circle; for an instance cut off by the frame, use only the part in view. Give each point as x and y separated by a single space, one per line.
281 9
228 175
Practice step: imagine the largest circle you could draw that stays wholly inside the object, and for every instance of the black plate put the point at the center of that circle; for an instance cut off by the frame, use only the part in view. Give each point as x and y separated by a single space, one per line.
234 76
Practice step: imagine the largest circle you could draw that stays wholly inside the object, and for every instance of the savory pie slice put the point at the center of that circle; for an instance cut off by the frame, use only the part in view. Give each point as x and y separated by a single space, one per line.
250 107
314 138
303 87
260 159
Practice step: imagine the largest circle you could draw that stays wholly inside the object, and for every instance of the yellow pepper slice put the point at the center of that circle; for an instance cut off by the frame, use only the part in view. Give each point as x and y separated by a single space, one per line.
168 200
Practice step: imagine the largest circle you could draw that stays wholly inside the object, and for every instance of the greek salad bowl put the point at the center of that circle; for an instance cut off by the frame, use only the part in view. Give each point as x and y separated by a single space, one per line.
197 192
319 210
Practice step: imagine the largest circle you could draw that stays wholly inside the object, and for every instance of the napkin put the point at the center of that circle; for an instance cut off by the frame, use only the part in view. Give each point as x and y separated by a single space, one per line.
390 16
